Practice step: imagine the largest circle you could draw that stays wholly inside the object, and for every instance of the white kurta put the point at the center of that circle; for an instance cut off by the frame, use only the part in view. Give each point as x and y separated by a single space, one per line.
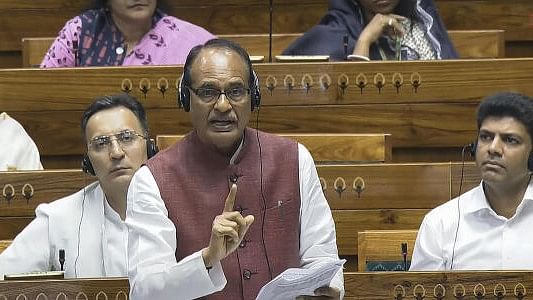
18 151
101 238
485 240
154 272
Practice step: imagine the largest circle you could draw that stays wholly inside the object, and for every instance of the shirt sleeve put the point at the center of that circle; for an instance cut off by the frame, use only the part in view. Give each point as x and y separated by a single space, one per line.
61 53
30 250
23 153
427 254
30 158
153 270
317 229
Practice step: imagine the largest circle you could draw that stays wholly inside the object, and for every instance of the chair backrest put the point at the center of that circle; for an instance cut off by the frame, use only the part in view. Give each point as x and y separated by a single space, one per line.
328 147
381 250
4 244
23 191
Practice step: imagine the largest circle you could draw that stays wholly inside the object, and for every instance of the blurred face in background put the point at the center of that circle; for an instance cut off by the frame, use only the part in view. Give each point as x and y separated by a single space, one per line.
132 11
372 7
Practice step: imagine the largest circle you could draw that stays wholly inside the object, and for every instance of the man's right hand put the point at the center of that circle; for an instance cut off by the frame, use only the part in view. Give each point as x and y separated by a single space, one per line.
227 232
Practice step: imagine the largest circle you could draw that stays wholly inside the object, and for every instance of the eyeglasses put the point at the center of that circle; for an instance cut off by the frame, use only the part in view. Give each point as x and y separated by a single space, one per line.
124 138
207 95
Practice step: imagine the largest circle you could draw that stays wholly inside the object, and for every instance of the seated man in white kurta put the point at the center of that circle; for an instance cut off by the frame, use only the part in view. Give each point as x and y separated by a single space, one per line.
89 225
18 151
488 227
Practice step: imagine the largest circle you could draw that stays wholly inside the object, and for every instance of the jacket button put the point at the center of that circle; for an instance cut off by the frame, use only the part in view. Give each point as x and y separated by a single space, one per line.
233 178
242 244
247 274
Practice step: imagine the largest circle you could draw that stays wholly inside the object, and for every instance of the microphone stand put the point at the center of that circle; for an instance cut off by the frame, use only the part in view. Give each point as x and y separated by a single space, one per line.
270 33
404 254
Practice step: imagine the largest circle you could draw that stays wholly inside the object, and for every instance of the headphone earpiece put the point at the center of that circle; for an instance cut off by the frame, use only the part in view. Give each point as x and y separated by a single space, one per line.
184 96
151 148
87 166
472 147
255 91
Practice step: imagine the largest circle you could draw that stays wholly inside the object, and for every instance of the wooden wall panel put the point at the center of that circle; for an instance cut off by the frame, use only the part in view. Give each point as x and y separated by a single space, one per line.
251 16
512 16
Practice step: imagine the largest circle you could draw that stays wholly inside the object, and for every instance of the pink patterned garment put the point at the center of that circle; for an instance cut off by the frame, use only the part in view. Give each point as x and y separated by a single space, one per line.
100 43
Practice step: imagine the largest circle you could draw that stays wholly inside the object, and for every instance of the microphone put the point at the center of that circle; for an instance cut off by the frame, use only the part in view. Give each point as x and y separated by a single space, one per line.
345 44
404 254
62 258
75 50
271 7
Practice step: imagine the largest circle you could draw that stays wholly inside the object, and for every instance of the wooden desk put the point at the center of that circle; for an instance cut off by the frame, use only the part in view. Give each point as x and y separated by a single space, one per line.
360 286
328 148
98 289
440 114
382 246
387 285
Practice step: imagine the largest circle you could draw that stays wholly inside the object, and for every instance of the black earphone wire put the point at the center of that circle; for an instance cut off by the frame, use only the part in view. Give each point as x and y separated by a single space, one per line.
459 199
258 107
79 225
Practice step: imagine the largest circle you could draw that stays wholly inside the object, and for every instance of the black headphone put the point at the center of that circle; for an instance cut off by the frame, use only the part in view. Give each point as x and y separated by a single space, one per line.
184 95
473 149
87 166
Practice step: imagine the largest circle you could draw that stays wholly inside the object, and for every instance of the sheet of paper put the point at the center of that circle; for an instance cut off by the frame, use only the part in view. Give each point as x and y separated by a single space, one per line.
298 281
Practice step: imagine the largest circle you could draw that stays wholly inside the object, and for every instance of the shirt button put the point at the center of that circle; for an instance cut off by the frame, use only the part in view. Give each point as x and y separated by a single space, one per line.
238 208
247 274
243 244
233 178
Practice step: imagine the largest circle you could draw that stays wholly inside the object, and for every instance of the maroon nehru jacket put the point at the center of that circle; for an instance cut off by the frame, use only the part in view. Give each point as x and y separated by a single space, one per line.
194 181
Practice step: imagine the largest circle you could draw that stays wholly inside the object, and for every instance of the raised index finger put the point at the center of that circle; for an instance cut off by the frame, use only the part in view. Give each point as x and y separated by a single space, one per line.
230 200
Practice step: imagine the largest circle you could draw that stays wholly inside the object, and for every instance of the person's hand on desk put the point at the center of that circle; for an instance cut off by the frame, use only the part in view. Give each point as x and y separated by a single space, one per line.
325 292
227 232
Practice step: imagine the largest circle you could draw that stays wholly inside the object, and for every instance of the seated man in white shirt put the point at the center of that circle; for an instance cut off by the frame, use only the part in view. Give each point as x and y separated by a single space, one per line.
18 151
174 247
487 228
88 225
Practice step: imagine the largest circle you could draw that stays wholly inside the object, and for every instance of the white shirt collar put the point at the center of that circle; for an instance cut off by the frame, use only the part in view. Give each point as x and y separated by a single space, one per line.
477 200
110 213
